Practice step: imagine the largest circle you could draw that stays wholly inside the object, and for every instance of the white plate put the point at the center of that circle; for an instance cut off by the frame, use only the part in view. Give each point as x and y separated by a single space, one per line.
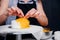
32 29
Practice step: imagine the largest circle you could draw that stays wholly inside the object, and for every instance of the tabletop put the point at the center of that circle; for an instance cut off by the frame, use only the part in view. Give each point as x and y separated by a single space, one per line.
35 30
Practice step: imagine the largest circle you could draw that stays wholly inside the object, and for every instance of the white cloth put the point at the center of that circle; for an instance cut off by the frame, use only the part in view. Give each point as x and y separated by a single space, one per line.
38 34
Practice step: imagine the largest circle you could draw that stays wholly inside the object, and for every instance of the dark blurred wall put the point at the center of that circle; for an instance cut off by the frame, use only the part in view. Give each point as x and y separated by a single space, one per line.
52 10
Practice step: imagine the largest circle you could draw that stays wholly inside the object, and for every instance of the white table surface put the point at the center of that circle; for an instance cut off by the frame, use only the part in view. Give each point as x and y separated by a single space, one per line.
32 29
36 31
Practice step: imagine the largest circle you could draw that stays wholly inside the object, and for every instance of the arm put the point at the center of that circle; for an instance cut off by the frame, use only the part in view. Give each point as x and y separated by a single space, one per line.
42 19
39 14
3 9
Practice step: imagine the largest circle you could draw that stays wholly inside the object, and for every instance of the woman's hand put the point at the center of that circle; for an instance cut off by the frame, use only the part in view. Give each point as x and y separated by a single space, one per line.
15 11
41 17
32 13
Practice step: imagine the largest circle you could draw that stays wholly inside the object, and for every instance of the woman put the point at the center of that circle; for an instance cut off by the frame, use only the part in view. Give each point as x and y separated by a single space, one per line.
22 6
42 21
31 10
28 9
27 6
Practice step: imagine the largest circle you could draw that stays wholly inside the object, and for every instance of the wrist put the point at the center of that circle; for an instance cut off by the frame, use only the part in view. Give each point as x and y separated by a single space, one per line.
5 14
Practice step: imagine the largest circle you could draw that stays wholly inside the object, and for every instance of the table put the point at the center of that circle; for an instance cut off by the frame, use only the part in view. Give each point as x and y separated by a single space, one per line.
36 31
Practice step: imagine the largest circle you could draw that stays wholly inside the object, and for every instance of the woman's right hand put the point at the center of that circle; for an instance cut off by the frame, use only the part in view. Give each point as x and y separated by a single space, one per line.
15 11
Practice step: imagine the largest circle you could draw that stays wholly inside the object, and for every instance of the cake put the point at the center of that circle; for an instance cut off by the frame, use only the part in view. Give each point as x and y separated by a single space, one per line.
46 30
21 23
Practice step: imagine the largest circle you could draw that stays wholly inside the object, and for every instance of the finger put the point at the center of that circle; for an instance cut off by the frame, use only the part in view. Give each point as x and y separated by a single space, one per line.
30 13
13 9
10 11
36 14
20 11
27 15
20 16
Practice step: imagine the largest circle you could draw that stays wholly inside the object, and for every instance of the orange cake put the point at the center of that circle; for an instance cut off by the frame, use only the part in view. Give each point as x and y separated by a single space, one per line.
46 30
23 22
20 23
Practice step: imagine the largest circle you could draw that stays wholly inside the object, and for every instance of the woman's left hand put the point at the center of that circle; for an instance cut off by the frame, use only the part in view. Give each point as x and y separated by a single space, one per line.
32 13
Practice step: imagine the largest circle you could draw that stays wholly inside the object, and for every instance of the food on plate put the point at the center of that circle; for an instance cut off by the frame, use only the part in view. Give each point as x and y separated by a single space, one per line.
21 23
46 30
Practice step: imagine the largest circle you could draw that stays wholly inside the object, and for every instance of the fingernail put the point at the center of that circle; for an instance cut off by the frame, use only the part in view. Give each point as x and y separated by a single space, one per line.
24 16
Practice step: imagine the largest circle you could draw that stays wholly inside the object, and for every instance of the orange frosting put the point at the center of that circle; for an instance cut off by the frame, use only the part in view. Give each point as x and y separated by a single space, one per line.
23 22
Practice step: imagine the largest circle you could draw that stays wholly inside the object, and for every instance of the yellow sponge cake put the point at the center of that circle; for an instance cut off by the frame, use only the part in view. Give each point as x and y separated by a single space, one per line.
21 23
24 23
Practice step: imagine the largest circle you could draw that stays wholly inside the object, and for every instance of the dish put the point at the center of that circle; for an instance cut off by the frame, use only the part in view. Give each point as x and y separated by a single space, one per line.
32 29
20 23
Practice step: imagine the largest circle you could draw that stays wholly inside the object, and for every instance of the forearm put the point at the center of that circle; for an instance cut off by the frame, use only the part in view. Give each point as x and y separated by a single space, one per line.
42 18
3 16
3 10
3 19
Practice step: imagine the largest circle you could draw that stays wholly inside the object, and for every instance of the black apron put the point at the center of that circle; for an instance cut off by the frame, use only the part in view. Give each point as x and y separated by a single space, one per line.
25 8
